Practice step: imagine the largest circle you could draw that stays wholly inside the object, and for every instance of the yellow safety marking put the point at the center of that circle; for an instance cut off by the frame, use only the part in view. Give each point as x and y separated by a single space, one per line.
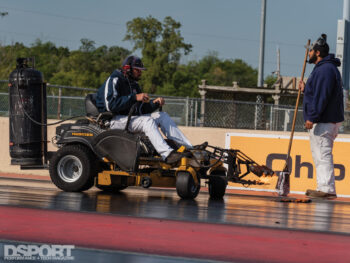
181 149
104 179
82 134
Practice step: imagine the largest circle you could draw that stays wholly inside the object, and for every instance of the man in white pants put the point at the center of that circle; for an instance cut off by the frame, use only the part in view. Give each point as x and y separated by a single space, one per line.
323 110
121 91
149 123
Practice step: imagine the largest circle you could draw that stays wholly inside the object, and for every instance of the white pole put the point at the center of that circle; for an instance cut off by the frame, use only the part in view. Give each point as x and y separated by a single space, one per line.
262 44
278 63
346 68
346 10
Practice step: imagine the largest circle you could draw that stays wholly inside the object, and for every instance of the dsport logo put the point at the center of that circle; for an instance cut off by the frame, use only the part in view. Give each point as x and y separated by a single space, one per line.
38 252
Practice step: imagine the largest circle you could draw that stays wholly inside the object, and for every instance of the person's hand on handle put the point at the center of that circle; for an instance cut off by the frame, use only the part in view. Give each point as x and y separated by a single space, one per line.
142 97
301 85
159 101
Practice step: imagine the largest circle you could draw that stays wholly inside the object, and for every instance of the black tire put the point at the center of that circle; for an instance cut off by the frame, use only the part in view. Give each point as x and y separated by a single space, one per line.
185 185
73 168
217 186
111 188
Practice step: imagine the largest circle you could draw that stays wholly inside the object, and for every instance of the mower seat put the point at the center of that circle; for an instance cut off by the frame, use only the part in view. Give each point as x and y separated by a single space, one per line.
147 149
91 109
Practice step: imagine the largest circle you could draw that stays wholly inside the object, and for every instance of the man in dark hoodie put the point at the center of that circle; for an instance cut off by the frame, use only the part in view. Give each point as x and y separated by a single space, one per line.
121 91
323 110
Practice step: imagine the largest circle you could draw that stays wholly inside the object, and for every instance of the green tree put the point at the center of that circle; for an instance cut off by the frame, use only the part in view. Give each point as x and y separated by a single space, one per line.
86 67
270 80
224 72
161 45
89 66
162 48
87 45
8 55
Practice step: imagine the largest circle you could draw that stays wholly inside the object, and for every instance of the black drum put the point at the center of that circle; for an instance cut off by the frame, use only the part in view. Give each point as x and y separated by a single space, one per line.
26 113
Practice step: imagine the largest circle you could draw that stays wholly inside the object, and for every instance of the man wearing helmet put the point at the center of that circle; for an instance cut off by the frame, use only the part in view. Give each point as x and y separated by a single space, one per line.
323 110
117 95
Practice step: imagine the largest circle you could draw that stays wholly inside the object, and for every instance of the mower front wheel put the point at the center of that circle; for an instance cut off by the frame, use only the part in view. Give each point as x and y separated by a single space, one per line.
73 168
217 186
186 187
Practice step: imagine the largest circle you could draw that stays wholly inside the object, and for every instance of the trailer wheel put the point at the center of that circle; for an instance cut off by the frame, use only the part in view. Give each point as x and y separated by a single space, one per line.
185 185
111 188
73 168
217 185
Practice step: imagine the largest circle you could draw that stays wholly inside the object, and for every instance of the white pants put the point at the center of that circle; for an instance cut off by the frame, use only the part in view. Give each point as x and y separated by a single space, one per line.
149 123
322 136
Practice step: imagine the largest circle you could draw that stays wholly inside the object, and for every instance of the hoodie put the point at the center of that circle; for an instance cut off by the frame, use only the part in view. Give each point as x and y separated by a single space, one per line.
117 95
323 94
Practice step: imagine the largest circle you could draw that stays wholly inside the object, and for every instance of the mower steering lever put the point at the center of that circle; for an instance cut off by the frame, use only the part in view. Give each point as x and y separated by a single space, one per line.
132 110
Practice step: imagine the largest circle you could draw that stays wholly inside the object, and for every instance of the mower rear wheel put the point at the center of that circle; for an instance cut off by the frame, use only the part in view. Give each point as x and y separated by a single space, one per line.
73 168
217 186
186 187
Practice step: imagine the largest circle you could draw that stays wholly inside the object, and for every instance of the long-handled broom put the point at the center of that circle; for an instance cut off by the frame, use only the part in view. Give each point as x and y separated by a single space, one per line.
283 182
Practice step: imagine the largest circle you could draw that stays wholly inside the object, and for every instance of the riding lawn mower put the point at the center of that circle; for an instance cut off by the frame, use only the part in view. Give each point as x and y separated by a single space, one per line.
91 154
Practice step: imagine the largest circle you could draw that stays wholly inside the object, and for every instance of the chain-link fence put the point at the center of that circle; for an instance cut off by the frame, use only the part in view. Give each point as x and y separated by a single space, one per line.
187 111
248 115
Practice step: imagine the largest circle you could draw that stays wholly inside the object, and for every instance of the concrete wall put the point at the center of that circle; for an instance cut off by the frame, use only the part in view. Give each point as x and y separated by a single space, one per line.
197 135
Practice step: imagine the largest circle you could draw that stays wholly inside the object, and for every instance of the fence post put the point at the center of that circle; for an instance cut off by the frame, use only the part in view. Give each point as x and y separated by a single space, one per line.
272 108
258 112
191 113
195 112
186 116
286 119
59 103
202 120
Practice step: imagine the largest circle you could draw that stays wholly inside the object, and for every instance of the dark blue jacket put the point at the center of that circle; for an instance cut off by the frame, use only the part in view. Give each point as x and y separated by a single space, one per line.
323 94
117 94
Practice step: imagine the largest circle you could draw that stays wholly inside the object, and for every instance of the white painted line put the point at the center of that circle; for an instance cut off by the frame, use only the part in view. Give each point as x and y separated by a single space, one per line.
271 190
275 136
259 135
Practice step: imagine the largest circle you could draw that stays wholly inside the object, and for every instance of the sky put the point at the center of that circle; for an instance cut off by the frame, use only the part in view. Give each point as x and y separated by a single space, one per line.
229 27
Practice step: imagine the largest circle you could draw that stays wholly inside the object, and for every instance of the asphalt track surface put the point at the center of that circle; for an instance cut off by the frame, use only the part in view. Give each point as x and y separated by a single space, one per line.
155 225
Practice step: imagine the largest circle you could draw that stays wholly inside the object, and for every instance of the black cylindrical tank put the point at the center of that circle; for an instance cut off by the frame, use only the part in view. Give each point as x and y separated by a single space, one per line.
25 95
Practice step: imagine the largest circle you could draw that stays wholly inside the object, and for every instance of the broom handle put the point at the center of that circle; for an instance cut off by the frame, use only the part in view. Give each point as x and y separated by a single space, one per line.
296 108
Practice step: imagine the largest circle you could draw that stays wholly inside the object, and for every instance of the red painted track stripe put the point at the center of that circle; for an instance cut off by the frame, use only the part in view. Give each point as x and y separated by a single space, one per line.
173 238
